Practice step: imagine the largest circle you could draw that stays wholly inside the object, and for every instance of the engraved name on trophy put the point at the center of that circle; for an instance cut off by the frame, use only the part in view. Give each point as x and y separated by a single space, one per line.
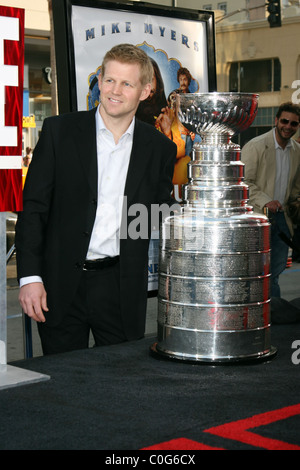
214 269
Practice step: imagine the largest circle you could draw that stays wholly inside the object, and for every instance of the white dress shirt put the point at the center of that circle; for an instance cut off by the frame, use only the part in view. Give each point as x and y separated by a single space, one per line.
282 170
112 161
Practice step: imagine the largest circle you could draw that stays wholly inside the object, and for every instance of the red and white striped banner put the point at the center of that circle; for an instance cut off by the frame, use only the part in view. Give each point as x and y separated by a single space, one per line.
11 107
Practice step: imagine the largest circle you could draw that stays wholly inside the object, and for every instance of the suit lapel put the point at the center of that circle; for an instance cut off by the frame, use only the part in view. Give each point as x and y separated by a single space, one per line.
141 152
86 146
270 166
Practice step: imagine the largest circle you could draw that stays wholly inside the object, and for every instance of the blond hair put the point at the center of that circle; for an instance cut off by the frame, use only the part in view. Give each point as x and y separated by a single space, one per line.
130 54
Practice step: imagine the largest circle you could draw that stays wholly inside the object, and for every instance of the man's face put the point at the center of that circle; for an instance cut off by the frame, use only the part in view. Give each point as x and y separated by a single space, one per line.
183 83
286 125
121 90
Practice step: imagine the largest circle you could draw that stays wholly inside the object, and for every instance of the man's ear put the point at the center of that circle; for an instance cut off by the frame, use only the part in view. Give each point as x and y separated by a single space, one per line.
146 92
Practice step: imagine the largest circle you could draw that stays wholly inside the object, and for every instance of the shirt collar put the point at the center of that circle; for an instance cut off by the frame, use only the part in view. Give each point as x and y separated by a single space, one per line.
100 126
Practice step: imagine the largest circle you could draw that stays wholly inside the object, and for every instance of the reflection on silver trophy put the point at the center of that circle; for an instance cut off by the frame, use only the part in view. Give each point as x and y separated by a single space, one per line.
214 279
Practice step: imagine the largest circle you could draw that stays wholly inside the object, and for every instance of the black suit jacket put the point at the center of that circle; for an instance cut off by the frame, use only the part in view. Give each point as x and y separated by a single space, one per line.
59 207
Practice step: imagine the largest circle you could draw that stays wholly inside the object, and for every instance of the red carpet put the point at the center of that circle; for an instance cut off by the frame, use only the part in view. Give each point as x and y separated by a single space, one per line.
239 431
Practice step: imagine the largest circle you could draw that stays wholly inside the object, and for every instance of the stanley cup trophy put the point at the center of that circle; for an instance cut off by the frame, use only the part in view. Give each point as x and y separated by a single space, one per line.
214 268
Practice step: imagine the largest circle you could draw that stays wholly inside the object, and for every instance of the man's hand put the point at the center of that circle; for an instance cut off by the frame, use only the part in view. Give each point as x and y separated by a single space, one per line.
274 206
33 300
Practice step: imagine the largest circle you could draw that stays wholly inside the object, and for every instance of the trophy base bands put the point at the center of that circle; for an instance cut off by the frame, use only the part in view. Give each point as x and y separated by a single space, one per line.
143 458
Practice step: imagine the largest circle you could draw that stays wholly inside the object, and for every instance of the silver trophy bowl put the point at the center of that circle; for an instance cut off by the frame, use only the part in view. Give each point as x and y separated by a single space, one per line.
217 113
214 267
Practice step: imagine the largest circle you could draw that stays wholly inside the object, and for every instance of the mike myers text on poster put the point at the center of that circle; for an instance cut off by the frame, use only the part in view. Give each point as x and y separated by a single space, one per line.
126 27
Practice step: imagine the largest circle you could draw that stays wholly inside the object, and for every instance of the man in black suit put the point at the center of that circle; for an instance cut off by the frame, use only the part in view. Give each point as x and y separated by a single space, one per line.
81 263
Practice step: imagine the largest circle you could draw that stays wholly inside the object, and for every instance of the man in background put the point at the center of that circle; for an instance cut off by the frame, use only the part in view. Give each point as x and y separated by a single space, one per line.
272 171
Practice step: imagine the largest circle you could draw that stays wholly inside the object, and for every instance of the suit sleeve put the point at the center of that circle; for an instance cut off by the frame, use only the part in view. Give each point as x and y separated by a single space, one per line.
37 194
295 190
